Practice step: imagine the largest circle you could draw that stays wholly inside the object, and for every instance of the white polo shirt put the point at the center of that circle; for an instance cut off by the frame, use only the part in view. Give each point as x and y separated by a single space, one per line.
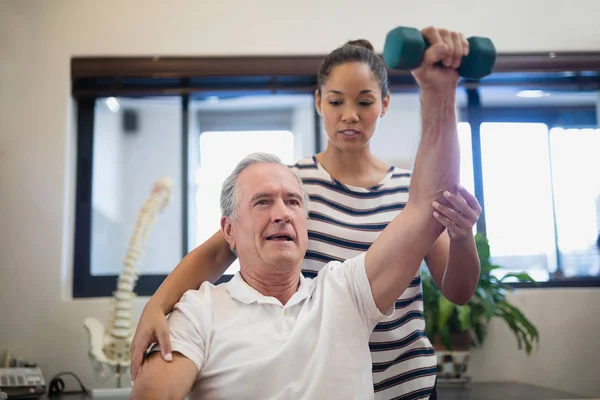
249 346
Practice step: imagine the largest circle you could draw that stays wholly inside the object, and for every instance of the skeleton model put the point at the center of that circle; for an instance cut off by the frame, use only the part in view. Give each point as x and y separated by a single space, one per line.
110 347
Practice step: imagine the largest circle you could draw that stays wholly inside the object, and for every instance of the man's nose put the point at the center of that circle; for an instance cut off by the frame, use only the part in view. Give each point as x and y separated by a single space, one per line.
280 212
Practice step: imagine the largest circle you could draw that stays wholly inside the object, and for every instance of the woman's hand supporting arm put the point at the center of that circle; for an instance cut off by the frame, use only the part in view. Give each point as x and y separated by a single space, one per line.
206 262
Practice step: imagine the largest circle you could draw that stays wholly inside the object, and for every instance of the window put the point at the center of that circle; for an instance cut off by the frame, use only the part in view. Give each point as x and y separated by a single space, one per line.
136 142
126 144
535 172
575 160
226 131
466 157
518 197
542 199
531 157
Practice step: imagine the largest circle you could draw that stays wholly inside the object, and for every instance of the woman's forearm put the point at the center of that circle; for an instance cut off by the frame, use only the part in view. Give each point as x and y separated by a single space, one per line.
206 262
462 271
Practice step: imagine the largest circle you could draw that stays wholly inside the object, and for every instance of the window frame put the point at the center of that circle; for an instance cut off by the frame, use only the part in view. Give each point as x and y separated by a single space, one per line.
555 116
84 283
99 77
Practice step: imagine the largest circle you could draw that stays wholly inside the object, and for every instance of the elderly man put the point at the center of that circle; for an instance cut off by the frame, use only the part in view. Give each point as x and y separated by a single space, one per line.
270 333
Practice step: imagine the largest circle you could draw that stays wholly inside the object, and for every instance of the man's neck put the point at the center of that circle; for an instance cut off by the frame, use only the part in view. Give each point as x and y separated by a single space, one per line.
281 284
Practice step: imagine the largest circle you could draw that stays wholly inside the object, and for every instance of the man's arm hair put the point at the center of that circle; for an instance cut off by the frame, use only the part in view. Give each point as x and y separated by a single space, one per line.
395 257
161 380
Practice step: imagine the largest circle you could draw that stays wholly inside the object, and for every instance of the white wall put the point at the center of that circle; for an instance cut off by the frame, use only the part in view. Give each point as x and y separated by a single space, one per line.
37 144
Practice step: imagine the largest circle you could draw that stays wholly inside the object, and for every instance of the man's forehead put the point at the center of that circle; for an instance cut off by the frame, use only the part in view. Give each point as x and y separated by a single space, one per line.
266 178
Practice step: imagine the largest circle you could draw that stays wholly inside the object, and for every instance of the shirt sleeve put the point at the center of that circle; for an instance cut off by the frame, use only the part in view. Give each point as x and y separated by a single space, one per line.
358 284
189 325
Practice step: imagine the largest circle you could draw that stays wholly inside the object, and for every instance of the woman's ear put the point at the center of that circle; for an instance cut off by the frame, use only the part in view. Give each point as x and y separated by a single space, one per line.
386 104
318 102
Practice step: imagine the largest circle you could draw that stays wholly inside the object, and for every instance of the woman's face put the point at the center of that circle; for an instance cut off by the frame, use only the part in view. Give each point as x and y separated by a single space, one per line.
350 104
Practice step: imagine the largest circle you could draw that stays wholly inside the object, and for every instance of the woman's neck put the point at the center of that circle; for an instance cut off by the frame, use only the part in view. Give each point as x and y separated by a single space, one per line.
358 168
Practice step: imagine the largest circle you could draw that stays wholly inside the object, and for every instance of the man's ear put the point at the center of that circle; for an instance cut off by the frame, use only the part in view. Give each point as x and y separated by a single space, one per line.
228 233
318 102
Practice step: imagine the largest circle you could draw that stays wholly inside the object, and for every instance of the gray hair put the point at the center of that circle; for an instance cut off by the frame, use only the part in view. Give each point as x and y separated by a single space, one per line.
229 192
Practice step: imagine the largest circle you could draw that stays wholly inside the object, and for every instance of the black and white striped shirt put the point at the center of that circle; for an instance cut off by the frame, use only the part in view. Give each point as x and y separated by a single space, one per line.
343 222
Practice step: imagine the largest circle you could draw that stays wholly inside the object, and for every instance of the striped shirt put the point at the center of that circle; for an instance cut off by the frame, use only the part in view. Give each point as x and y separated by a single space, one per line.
344 221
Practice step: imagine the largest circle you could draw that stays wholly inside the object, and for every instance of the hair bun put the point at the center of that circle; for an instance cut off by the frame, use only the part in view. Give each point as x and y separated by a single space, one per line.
361 43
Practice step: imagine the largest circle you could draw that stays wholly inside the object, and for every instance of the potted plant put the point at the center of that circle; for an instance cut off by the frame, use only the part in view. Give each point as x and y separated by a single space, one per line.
454 329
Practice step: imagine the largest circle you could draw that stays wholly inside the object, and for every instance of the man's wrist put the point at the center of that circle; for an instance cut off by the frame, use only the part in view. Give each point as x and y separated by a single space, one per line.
439 92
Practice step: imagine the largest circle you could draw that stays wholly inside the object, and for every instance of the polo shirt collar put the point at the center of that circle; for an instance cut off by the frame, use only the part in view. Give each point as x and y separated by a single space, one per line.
239 289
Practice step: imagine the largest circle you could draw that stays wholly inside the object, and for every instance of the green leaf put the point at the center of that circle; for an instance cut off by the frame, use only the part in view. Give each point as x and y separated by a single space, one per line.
523 329
445 309
521 277
519 317
477 312
444 318
488 303
483 248
487 268
480 292
445 337
430 325
518 334
480 333
464 317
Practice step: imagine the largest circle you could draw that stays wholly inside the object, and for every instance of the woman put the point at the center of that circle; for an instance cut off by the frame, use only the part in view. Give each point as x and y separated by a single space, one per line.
353 195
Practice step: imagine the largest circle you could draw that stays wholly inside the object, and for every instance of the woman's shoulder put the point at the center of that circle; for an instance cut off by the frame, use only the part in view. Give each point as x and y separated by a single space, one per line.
402 165
399 174
401 171
304 163
307 168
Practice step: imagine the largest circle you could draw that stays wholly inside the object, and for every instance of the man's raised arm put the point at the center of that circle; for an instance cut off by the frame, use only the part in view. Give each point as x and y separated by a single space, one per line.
395 257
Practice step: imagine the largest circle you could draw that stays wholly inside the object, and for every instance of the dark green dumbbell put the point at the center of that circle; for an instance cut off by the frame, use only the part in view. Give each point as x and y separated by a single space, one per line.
405 47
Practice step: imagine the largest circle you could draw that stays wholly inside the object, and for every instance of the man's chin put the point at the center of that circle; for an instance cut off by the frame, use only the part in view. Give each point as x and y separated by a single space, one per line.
285 261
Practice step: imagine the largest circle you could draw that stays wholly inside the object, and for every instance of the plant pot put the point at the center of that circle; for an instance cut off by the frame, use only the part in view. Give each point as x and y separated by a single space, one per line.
452 364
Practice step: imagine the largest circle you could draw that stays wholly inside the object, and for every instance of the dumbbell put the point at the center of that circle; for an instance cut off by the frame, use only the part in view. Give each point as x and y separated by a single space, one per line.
405 47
